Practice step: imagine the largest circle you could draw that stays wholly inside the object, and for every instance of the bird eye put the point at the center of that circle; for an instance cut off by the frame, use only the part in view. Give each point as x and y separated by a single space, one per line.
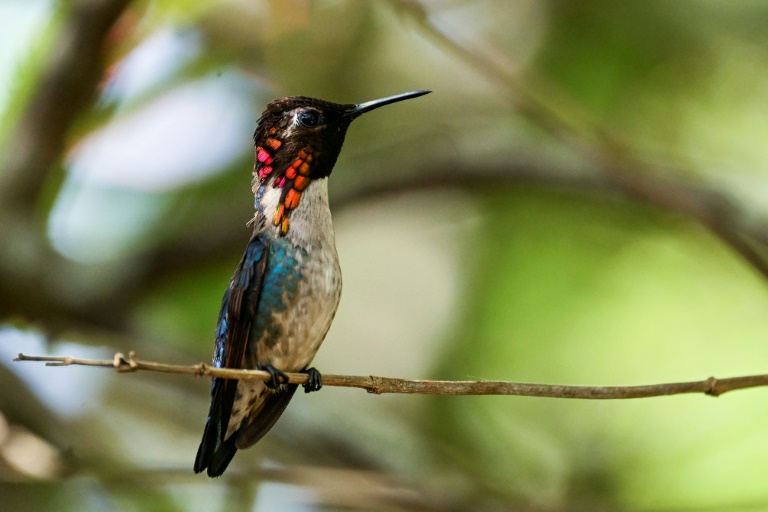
309 118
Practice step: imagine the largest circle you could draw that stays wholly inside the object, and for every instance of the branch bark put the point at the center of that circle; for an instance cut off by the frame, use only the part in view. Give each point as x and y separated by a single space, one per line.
378 385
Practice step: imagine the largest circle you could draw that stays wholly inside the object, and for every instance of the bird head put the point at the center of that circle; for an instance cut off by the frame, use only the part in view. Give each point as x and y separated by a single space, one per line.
297 142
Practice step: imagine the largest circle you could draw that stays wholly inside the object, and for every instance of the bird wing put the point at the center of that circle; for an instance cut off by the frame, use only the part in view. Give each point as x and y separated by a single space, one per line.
272 406
238 309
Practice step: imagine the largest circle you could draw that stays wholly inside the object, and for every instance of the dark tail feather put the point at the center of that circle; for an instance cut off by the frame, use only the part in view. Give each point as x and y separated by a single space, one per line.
273 407
214 452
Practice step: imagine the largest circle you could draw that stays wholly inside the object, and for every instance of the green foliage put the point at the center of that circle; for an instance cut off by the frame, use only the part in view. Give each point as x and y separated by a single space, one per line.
27 73
577 289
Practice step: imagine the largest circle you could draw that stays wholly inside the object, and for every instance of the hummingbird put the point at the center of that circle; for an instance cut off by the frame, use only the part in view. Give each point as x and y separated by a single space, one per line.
284 293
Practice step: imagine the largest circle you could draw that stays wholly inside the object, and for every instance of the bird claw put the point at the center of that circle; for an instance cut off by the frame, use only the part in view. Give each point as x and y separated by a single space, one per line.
276 377
314 380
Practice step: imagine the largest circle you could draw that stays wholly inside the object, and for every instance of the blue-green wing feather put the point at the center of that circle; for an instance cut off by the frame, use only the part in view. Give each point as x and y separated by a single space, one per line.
233 329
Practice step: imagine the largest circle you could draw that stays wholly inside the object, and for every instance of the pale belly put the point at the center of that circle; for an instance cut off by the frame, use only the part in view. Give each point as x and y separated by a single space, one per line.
305 322
300 295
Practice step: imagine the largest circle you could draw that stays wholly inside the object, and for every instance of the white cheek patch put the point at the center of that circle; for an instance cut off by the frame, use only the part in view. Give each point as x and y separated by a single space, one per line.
294 123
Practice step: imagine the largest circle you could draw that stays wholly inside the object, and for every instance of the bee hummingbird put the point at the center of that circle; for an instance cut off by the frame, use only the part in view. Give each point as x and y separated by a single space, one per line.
285 291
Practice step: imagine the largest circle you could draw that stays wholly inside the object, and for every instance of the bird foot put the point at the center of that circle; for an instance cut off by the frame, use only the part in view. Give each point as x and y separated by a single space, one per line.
314 380
276 377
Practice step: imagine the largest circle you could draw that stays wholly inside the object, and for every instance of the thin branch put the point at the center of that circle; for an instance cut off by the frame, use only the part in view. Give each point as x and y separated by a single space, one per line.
378 385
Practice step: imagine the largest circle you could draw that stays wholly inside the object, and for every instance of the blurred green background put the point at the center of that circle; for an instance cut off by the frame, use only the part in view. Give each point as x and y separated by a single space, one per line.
582 200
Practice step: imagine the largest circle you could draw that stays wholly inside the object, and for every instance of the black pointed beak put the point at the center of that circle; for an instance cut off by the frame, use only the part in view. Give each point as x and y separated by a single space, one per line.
362 108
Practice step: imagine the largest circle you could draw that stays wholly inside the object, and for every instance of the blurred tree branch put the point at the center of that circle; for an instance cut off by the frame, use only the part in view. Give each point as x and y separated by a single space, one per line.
67 86
546 106
36 281
379 385
723 217
714 210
